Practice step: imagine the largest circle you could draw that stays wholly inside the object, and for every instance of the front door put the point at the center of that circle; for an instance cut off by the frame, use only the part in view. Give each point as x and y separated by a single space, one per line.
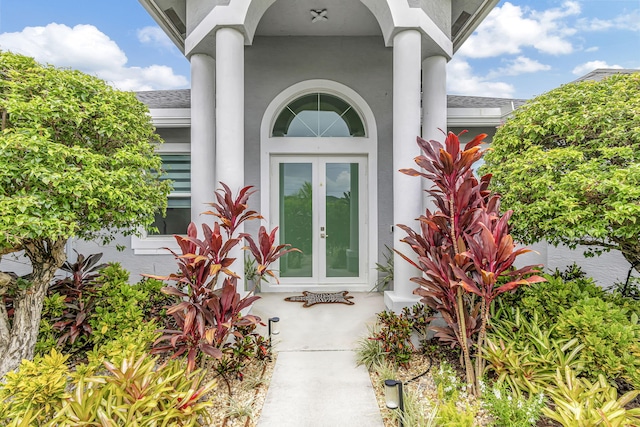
319 203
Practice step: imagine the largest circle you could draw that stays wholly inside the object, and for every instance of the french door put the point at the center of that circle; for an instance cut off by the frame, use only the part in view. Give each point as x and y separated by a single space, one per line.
319 204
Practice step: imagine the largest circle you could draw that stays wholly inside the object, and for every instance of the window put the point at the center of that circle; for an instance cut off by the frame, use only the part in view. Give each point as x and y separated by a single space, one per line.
178 170
318 115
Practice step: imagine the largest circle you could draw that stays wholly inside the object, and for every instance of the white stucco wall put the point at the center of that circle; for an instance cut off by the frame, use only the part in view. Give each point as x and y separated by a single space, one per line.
438 11
273 64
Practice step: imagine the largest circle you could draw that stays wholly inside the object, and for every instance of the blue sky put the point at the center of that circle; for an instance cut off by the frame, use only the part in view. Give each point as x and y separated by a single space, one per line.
522 49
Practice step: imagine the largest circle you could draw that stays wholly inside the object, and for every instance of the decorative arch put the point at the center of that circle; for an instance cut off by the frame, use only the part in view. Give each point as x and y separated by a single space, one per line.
320 115
364 147
328 87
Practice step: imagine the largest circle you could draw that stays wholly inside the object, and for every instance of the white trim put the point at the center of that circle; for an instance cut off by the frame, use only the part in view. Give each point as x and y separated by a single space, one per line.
366 146
459 117
171 117
153 245
318 164
157 245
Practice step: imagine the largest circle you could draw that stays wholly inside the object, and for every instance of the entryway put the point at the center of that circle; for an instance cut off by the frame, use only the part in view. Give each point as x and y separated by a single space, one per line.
320 204
319 161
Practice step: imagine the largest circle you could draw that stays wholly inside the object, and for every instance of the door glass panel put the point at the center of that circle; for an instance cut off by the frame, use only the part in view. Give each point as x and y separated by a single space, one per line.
296 218
342 235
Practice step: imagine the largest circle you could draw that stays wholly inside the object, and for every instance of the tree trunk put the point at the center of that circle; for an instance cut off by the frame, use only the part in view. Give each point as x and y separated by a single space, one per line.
630 249
18 336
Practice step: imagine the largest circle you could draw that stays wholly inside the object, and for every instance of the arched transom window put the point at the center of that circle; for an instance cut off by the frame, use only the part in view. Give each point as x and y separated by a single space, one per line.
318 115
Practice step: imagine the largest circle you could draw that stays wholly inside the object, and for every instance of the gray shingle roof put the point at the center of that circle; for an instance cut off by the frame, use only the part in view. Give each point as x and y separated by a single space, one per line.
602 73
181 98
459 101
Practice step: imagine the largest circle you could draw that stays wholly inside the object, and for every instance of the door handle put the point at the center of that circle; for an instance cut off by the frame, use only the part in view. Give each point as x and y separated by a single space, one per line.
324 236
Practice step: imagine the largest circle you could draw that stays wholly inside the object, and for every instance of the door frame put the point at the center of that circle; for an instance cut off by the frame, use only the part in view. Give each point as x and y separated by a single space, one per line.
365 147
318 164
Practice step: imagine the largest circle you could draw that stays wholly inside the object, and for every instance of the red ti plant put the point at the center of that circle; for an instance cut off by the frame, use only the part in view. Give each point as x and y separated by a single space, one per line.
463 247
208 313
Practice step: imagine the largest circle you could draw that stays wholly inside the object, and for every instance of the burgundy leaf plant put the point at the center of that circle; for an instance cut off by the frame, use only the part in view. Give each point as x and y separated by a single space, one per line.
463 247
208 310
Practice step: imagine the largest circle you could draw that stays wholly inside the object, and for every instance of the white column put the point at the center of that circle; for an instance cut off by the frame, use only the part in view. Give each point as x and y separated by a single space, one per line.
230 121
407 197
230 108
434 108
203 133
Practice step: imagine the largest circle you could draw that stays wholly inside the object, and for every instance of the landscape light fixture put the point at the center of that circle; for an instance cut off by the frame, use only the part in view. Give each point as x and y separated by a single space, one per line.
273 330
393 397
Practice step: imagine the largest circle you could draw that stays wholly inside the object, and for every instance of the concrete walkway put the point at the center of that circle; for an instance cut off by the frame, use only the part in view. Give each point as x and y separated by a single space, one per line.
316 382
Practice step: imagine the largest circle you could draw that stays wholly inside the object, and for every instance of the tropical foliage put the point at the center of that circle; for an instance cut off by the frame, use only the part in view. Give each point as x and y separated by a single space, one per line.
568 165
464 248
134 392
76 159
208 309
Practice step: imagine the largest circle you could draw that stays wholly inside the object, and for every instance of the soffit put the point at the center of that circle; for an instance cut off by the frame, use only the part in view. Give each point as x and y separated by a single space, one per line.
294 18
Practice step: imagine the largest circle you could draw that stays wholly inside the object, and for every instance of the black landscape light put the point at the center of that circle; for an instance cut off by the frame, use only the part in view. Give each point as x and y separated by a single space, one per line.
393 397
273 330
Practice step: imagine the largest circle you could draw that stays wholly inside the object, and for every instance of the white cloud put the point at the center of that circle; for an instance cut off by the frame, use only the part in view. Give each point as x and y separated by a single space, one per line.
87 49
460 80
595 24
520 65
154 36
629 21
587 67
592 49
509 28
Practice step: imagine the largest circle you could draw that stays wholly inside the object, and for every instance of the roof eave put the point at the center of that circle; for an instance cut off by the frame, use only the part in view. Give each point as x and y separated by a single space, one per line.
164 22
472 23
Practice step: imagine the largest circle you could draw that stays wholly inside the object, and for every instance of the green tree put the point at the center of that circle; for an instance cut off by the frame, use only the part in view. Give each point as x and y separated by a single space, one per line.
568 164
76 159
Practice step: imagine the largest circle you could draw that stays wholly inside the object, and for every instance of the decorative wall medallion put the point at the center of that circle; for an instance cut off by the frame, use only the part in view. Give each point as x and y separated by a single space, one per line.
319 15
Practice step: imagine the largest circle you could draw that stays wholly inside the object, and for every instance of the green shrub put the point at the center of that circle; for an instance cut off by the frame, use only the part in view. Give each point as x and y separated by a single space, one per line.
113 273
121 307
394 335
114 309
548 299
579 402
619 300
447 382
155 305
246 345
136 342
420 316
418 412
454 413
53 308
611 338
38 386
118 311
525 355
134 392
513 410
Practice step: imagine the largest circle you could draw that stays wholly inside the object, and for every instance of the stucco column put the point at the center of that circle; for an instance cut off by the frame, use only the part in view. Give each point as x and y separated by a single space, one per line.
203 132
230 107
230 120
407 198
434 108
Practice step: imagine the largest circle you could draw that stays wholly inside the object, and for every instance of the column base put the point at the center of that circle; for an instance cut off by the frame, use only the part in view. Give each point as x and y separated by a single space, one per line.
396 302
